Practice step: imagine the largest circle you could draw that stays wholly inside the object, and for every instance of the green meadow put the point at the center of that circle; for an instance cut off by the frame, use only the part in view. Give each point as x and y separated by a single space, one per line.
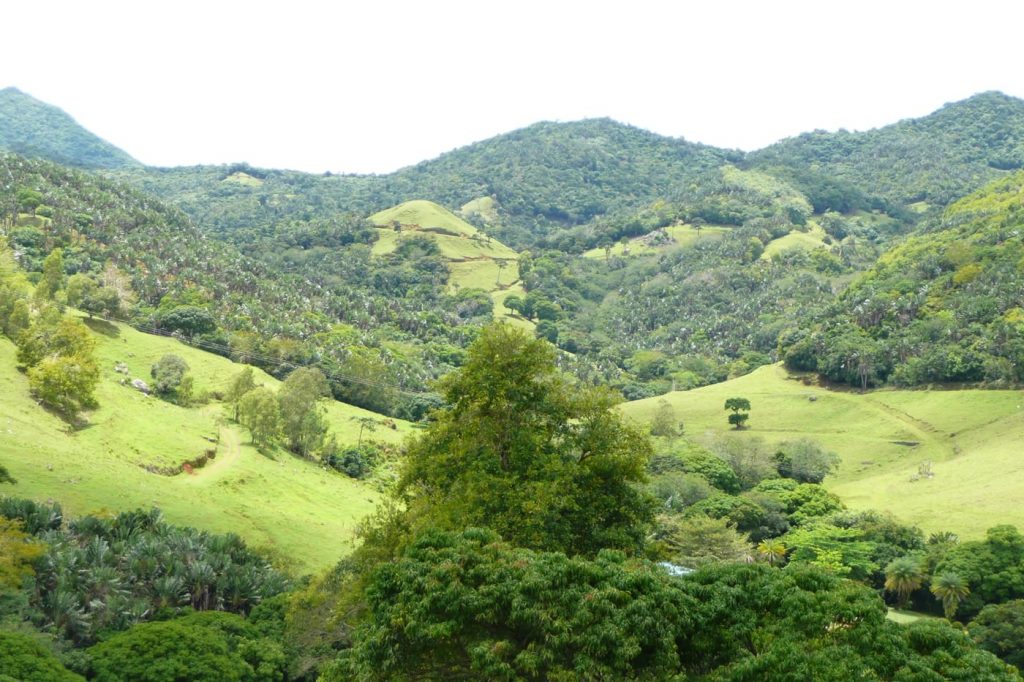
970 439
475 261
813 238
294 508
680 236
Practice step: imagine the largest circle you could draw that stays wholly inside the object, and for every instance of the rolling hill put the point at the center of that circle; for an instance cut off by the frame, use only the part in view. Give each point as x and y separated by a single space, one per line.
971 438
132 450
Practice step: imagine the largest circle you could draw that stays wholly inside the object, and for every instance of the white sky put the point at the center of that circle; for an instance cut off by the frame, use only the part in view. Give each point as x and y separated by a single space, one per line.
374 85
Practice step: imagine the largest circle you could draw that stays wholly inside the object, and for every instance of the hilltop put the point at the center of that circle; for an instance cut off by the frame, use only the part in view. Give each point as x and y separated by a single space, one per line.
39 130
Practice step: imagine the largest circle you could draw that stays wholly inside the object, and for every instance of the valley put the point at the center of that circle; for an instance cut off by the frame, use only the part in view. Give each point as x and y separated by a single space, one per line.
577 401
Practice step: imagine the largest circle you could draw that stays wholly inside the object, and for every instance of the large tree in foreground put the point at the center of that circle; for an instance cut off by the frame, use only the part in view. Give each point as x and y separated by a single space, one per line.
523 450
466 606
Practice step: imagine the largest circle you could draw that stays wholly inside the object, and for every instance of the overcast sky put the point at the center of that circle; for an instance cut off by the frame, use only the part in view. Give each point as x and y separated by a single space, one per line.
374 85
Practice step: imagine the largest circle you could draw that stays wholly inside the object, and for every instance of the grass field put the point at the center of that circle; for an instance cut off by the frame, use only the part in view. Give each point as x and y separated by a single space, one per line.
681 236
277 501
425 216
472 257
813 238
972 438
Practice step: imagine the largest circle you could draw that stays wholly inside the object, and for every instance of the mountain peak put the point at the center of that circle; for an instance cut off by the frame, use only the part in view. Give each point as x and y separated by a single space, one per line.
35 129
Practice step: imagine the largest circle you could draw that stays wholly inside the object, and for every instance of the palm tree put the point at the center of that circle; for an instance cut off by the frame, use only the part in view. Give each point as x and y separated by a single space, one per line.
772 550
903 576
951 589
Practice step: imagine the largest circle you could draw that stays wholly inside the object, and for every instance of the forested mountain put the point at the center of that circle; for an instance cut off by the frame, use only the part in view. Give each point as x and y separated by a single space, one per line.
322 297
943 306
551 176
934 159
545 176
38 130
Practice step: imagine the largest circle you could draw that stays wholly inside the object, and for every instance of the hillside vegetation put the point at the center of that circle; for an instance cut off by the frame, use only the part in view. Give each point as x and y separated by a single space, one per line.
936 158
36 129
131 454
942 306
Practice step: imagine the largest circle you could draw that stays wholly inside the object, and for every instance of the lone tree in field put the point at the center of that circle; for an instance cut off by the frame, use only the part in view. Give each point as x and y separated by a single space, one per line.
740 411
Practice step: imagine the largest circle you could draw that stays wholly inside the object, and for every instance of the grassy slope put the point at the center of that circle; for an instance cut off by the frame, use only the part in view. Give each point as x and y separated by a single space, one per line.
426 215
813 238
472 260
277 501
972 438
682 235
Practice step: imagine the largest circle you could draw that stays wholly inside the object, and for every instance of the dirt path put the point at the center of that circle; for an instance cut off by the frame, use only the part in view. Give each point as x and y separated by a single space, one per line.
227 454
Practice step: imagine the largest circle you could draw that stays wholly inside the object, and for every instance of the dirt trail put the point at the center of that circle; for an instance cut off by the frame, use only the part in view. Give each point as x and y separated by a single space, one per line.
227 454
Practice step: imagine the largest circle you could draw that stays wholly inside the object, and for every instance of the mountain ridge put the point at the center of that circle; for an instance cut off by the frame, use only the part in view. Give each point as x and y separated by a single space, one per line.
33 128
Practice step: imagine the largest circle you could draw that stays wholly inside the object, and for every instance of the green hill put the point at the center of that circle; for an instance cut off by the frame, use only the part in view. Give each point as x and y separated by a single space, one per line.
971 438
935 158
39 130
132 451
300 290
474 260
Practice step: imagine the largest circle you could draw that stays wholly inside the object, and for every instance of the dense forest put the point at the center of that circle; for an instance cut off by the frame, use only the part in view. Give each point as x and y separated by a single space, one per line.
943 306
526 529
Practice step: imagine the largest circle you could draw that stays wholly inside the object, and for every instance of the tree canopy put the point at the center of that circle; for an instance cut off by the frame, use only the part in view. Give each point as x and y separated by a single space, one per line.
524 451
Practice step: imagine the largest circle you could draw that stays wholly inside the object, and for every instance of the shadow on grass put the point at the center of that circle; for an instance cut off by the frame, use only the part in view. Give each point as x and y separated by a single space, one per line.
102 327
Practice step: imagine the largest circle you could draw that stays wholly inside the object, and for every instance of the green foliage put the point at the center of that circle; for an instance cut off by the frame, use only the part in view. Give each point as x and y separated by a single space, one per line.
936 158
459 606
993 568
66 383
709 466
677 491
665 424
241 383
104 575
18 550
698 540
750 459
169 373
302 421
205 647
25 659
522 450
943 306
52 280
805 460
59 354
740 408
187 319
843 551
951 589
903 576
84 293
999 628
507 613
259 411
